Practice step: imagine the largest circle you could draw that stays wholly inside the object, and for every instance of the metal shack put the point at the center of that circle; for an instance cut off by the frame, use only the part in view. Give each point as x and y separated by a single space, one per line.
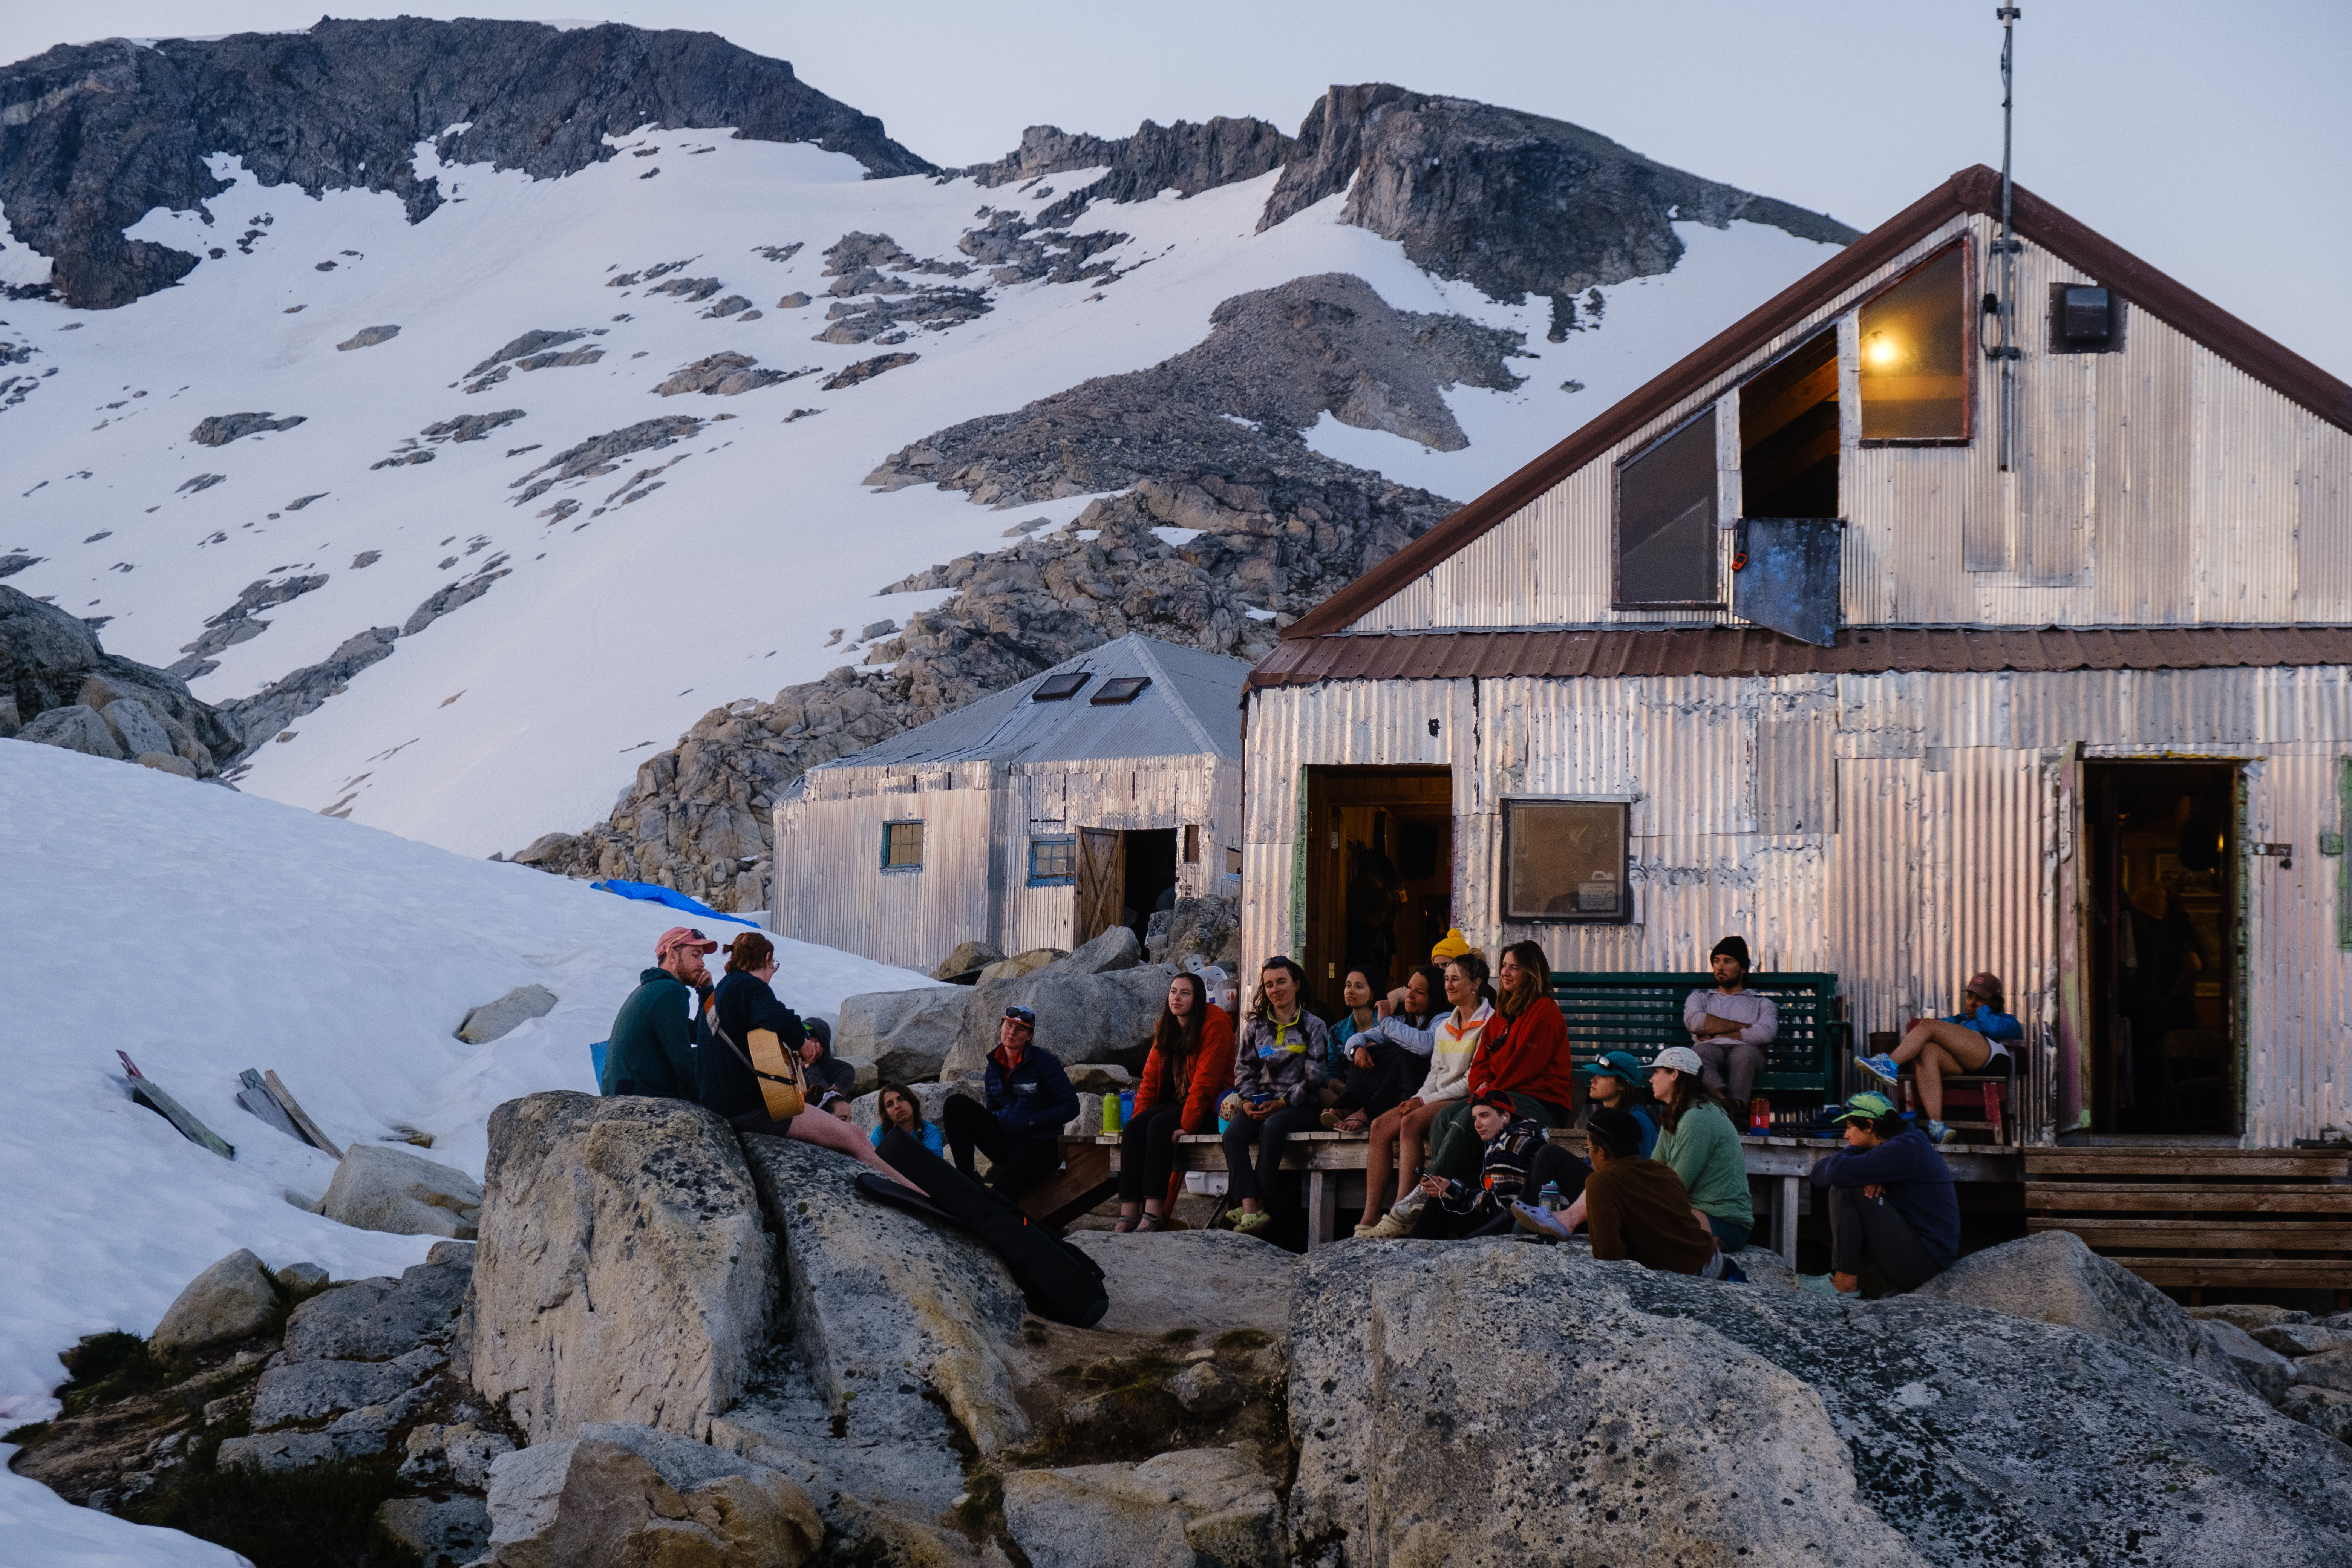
1807 640
1040 816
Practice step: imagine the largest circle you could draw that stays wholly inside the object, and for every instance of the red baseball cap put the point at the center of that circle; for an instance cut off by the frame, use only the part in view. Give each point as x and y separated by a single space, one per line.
684 938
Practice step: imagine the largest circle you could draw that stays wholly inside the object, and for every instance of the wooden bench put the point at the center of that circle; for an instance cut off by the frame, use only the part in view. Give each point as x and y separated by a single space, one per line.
1804 1066
2199 1217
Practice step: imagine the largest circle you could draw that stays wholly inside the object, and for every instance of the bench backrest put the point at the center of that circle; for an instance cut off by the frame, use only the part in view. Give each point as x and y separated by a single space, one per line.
1643 1014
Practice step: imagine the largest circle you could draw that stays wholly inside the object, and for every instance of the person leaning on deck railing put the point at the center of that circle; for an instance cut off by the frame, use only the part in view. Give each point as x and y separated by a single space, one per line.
1696 1139
1730 1026
1523 1053
1455 1043
1189 1070
1891 1202
1278 1067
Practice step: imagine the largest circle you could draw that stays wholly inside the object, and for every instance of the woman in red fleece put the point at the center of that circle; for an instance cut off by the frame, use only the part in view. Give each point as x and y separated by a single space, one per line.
1189 1070
1524 1055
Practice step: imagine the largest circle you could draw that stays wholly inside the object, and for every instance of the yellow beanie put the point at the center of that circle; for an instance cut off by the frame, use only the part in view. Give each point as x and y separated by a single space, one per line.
1454 946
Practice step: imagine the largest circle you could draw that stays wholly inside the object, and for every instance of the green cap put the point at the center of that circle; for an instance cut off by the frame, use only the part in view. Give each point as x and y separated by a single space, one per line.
1623 1065
1866 1108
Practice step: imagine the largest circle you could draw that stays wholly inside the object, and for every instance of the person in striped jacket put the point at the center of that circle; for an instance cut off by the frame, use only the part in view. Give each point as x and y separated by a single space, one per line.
1457 1208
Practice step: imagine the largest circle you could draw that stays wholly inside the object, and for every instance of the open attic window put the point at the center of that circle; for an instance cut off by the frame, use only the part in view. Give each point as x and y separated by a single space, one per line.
1914 353
1125 689
1059 688
1789 433
1666 520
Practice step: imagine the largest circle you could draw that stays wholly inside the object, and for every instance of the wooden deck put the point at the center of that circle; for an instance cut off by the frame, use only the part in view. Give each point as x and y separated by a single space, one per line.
1333 1164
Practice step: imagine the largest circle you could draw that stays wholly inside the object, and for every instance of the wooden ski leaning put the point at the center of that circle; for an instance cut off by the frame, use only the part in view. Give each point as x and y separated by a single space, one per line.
144 1090
299 1117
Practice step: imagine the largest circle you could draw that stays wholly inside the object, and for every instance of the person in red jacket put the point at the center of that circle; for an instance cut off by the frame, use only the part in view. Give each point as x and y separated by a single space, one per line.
1526 1057
1189 1070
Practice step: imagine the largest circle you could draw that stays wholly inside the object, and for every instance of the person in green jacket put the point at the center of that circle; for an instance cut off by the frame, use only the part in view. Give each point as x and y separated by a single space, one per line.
652 1049
1696 1139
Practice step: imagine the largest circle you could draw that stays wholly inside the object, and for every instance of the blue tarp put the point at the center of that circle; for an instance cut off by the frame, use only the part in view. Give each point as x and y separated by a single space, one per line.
652 893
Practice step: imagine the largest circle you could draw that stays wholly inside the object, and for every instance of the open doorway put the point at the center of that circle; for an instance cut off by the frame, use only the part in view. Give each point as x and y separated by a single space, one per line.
1789 433
2167 1043
1380 873
1122 880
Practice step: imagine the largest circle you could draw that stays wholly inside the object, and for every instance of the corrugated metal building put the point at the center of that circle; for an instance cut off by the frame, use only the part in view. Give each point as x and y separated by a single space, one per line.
1037 817
1778 646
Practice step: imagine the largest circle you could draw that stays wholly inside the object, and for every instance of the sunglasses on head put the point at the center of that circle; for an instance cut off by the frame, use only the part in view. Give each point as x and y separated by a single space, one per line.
1023 1017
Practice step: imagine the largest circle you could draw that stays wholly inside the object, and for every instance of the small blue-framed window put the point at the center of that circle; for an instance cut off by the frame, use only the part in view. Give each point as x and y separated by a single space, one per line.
902 846
1053 862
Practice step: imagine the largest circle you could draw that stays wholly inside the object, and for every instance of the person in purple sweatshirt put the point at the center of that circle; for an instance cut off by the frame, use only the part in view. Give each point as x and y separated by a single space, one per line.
1890 1200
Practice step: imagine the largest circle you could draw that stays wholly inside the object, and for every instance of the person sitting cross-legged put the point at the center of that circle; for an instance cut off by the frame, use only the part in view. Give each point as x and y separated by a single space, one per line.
1030 1100
1513 1143
1969 1040
1891 1202
1637 1208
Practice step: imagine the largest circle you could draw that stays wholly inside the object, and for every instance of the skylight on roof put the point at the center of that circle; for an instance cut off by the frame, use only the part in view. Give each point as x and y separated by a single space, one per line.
1059 688
1126 688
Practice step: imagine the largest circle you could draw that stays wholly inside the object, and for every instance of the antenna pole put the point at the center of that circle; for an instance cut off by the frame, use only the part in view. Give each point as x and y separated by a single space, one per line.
2008 353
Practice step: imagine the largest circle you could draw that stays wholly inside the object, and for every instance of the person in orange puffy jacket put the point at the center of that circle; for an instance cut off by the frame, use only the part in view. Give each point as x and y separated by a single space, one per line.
1189 1070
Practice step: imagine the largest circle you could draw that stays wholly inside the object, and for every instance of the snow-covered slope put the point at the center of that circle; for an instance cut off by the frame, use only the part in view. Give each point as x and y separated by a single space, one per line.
527 707
204 932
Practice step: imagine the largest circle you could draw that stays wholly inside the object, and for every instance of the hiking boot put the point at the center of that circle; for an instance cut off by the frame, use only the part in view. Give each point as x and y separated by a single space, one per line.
1822 1284
1251 1224
1940 1133
1393 1227
1881 1067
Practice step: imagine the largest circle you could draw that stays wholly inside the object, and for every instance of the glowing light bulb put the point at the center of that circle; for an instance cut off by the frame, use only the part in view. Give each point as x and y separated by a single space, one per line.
1880 351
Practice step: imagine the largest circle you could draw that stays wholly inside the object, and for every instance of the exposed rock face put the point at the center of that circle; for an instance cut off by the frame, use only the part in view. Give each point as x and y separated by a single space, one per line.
1082 1016
469 427
2053 1277
2262 1369
1651 1418
50 660
1184 157
866 370
442 1534
884 1305
96 135
266 713
907 1034
721 375
1205 1506
602 454
456 596
1192 1279
969 958
230 1301
1206 929
376 1188
240 622
624 1273
625 1493
377 1319
496 1020
220 429
1515 202
368 337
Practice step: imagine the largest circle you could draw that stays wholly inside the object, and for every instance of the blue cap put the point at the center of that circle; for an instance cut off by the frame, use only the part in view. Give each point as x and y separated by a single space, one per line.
1623 1065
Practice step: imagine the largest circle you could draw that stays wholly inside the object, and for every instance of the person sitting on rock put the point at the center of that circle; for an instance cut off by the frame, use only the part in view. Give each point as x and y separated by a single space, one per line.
1971 1040
1382 1060
1189 1069
902 1113
653 1042
745 1010
1512 1143
1030 1100
1891 1202
1697 1137
1730 1026
1278 1068
825 1070
1639 1208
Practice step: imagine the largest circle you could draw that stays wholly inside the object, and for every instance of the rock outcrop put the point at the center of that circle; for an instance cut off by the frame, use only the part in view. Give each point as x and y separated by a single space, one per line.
101 133
623 1272
1205 1506
59 688
496 1020
1514 203
1086 1011
1496 1401
907 1034
230 1301
625 1493
376 1188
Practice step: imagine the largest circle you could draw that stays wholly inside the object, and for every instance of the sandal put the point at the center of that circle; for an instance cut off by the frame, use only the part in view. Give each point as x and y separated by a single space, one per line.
1126 1225
1148 1223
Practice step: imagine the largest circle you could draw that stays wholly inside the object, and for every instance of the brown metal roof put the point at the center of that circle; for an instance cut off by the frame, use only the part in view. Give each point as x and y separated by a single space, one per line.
1972 190
1743 650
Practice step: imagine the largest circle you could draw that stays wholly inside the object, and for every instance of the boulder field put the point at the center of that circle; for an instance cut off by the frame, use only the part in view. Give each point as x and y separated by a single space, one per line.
677 1344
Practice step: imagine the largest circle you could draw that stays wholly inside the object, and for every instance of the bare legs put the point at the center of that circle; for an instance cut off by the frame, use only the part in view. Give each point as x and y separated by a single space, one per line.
1406 1129
828 1130
1935 1048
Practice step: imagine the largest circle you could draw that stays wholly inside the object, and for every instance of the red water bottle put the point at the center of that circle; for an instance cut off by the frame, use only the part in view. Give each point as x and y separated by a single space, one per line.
1759 1115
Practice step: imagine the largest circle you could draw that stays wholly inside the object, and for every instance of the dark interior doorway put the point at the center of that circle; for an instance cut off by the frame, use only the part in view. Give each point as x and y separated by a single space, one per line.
1380 873
2167 1043
1150 876
1122 878
1789 433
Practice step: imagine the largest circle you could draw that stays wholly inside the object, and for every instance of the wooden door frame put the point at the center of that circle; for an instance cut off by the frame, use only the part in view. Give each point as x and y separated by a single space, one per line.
1106 878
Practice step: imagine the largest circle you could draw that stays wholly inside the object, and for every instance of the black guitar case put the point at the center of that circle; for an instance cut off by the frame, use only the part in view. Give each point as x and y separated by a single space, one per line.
1061 1283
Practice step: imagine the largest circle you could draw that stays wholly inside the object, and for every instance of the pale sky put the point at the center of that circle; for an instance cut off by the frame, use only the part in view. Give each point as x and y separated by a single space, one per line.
2212 140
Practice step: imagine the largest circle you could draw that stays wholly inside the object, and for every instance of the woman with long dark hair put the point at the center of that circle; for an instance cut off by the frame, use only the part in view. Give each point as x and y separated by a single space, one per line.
1278 1067
1189 1068
902 1113
1454 1043
743 1010
1377 1059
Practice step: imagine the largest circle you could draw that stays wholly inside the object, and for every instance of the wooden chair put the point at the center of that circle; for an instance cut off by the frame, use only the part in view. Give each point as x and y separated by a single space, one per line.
1982 1102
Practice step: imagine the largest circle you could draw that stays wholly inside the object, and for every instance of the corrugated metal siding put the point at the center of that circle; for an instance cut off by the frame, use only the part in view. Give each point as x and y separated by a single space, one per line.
831 888
1933 844
2158 485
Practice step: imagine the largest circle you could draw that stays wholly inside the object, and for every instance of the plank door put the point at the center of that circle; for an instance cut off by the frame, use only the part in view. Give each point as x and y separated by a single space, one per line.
1102 883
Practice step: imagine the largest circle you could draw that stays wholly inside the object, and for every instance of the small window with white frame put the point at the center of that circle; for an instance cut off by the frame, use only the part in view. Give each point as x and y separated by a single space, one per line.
1054 862
1566 860
902 846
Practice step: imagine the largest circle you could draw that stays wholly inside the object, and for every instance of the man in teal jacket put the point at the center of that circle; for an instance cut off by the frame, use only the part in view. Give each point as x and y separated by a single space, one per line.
652 1049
